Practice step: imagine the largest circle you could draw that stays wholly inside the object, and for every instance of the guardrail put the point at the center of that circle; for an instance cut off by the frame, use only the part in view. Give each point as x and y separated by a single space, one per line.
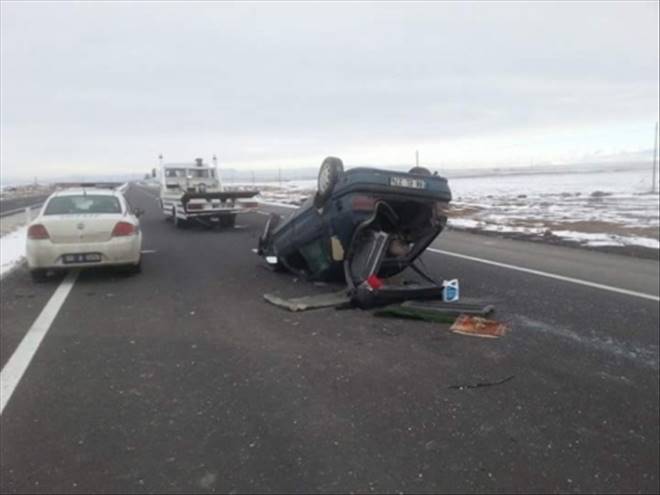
22 209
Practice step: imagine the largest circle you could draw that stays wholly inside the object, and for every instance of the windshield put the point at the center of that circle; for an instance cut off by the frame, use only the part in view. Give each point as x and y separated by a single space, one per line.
197 173
74 205
175 172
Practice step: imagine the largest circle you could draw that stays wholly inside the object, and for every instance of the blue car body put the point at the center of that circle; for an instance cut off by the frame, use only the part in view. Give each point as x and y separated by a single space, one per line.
316 241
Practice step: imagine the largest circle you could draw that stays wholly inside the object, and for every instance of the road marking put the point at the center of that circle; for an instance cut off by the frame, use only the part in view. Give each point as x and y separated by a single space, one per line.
148 251
19 361
550 275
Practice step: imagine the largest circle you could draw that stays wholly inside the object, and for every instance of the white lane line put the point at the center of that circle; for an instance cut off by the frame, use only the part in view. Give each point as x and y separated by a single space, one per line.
148 251
550 275
14 369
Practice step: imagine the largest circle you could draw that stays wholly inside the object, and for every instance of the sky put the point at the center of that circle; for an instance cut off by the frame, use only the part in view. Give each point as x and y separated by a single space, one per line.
106 87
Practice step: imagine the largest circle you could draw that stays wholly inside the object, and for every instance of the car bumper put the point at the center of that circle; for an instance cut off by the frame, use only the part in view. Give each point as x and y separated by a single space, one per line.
117 251
217 213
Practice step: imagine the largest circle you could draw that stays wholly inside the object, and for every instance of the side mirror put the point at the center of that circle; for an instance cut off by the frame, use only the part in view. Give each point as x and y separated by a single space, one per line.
138 212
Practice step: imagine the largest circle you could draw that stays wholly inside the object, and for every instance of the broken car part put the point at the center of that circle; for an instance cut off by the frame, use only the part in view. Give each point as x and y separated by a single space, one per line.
478 326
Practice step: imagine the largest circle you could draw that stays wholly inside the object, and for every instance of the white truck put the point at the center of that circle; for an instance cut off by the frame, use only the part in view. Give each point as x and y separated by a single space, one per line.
193 192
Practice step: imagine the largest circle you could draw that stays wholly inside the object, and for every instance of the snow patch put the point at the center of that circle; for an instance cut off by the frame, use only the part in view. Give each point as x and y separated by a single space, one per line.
12 250
607 239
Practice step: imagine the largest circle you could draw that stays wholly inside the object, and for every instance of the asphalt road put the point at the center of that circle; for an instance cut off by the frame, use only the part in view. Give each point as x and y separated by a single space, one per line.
183 379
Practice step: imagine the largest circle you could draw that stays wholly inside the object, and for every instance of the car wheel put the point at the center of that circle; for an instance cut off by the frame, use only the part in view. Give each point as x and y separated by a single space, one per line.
419 171
39 275
131 269
329 174
137 268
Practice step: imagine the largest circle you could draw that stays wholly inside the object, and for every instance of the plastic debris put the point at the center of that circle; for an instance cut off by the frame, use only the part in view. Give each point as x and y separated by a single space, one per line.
451 292
400 311
434 311
481 384
466 307
478 326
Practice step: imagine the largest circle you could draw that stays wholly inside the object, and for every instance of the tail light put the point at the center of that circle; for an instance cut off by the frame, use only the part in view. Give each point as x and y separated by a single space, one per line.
363 203
123 229
37 231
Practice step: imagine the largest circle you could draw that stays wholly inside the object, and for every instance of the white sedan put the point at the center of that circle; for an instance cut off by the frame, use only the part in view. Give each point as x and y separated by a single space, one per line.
84 227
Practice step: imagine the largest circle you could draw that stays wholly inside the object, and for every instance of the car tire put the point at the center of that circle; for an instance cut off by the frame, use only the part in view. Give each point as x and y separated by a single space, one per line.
419 171
331 170
129 270
39 275
137 268
227 221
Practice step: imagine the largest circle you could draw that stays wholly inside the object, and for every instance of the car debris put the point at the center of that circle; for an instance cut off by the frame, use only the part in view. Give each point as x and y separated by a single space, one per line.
435 311
478 326
363 225
326 300
193 192
481 384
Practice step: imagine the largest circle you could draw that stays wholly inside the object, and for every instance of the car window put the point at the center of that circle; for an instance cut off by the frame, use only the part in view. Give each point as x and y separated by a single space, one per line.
175 172
196 173
74 205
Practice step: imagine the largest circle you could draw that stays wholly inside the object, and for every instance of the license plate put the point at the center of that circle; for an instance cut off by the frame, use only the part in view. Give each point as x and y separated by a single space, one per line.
82 258
408 182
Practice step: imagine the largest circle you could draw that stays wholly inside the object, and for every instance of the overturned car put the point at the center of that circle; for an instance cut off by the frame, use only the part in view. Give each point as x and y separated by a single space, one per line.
363 225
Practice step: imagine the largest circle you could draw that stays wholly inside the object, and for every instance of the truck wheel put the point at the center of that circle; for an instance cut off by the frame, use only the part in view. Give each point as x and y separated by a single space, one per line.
329 174
227 221
178 223
168 218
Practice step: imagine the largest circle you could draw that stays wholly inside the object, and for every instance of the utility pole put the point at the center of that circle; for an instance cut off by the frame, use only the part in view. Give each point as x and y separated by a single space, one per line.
655 152
417 158
279 176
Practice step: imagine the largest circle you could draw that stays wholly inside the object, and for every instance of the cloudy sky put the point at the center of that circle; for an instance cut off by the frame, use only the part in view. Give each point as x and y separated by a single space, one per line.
107 86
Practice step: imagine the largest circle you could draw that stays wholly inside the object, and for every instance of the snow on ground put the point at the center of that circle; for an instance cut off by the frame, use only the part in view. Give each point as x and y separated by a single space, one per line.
12 249
609 208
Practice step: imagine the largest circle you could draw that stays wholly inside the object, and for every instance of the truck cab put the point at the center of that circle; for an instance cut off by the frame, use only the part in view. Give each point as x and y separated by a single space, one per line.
184 178
193 192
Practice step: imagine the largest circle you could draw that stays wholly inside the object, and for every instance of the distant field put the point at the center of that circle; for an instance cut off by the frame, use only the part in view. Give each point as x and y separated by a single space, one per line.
596 209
